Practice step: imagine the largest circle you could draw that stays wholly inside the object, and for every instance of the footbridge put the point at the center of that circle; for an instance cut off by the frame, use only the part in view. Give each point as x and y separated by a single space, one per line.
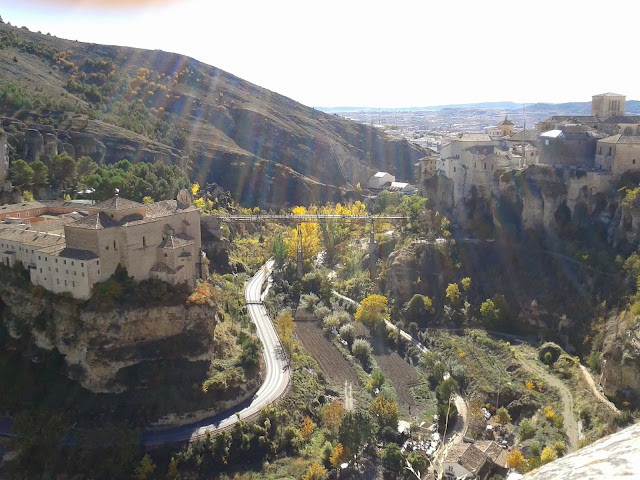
216 221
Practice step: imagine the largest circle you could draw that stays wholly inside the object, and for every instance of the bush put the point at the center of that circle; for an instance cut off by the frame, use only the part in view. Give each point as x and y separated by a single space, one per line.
362 351
527 429
348 334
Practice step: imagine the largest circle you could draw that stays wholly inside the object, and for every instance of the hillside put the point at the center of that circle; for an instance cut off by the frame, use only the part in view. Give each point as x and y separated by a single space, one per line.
115 103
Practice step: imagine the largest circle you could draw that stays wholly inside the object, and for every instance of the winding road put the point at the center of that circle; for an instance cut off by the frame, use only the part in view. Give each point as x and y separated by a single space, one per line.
277 376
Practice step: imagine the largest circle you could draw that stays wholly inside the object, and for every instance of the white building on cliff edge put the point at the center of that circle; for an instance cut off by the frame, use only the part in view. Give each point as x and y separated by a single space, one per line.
160 240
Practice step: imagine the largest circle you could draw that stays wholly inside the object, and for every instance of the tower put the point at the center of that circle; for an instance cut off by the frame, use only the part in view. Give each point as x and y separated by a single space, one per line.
607 105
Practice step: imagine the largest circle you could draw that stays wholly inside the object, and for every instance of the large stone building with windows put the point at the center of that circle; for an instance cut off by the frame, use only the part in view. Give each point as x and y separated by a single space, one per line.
160 240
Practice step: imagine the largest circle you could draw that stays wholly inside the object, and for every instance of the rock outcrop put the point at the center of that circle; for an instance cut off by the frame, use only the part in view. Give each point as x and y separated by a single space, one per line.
97 345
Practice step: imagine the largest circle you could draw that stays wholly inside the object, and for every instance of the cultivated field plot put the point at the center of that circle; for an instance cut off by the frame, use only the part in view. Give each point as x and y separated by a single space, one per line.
401 375
330 360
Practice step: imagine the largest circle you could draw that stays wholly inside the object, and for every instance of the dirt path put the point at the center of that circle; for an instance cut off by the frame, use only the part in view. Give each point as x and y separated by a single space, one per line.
596 392
570 423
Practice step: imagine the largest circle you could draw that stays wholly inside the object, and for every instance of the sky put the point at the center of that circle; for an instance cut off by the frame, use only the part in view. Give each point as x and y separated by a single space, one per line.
396 53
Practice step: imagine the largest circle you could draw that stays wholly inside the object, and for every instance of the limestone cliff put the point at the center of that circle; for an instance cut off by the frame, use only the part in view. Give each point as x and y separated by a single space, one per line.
99 345
620 359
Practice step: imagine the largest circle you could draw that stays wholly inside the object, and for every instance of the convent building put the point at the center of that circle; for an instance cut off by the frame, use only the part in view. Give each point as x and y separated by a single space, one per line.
159 240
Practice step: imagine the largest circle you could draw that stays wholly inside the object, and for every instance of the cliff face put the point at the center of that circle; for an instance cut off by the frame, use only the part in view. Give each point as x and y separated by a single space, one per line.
620 359
540 197
98 345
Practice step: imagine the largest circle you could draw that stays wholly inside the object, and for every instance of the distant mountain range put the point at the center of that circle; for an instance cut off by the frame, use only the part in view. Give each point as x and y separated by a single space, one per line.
570 108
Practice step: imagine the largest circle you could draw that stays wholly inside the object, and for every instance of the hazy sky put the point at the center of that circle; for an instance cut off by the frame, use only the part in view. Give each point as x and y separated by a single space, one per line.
370 53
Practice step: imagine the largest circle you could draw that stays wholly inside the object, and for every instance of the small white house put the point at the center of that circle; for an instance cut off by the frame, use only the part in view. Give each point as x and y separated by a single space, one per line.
403 188
380 179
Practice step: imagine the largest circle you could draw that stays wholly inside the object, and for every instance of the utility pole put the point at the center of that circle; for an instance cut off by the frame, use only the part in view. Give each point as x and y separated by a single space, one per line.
524 128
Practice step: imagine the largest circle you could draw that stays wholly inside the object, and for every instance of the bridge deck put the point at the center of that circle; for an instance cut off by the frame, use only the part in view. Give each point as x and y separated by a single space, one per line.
308 218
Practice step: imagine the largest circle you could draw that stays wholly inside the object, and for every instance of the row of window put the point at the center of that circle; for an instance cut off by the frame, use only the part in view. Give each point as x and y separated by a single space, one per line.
66 272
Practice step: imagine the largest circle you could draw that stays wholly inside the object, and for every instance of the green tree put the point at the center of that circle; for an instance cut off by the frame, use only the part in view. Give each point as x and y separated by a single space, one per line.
86 166
466 284
527 429
446 389
144 469
392 458
40 174
279 250
348 334
63 168
503 416
362 351
356 429
489 313
21 174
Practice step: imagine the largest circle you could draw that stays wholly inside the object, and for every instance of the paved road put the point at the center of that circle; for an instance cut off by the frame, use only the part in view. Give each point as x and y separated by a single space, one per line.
276 383
277 377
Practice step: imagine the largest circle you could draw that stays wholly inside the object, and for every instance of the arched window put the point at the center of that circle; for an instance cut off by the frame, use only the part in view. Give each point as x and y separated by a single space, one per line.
144 241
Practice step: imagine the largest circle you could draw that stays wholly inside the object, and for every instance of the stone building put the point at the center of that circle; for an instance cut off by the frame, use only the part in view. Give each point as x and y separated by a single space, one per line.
618 154
607 105
570 145
160 240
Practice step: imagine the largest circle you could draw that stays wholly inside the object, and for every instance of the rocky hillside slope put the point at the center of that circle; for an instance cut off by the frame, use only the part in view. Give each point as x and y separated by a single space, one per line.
99 347
114 102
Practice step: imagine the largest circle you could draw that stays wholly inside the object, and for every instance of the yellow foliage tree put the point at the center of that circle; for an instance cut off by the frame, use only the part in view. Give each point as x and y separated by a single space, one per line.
453 294
195 188
332 416
529 384
307 427
315 472
548 455
514 459
337 456
285 326
311 244
385 411
371 308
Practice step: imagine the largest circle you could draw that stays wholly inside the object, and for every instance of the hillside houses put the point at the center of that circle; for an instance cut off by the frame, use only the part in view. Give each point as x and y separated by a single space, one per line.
607 142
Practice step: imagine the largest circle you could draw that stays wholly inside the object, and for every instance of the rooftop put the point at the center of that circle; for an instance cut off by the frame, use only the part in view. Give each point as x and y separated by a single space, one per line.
115 204
18 207
609 94
619 139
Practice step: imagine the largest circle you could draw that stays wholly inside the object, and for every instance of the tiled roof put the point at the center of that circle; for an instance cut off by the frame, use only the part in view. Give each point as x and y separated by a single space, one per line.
473 459
19 207
506 121
623 119
489 447
628 139
466 455
96 221
29 237
116 203
473 137
530 135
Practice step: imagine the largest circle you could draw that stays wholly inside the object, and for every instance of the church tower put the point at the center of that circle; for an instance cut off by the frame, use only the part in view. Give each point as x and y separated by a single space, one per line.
608 105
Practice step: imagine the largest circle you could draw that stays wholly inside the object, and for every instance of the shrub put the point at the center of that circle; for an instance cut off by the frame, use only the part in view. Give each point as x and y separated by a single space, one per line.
348 334
527 429
362 351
